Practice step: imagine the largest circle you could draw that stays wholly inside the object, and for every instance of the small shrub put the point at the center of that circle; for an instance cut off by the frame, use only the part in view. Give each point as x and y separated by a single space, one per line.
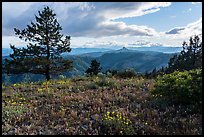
106 82
101 75
183 88
62 77
111 73
114 123
126 74
92 86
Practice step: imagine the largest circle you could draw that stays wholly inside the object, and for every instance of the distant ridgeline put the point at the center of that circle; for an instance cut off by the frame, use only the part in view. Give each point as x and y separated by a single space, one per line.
140 61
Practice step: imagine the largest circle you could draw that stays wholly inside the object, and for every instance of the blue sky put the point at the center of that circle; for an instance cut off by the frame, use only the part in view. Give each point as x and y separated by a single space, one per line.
108 24
177 15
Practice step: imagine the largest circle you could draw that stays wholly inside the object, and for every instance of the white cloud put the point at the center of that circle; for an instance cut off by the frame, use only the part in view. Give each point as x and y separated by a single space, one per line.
100 18
13 40
194 28
195 2
115 10
176 36
175 30
86 6
84 19
173 37
111 28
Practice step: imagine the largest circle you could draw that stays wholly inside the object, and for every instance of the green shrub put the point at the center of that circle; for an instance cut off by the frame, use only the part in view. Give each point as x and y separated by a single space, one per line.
104 81
92 86
62 77
126 74
180 88
114 123
111 73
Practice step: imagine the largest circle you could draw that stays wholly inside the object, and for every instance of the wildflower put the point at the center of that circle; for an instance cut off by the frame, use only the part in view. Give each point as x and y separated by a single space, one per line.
13 103
40 89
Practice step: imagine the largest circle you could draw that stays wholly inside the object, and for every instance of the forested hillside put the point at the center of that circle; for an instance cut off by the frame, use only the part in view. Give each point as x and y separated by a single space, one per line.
140 61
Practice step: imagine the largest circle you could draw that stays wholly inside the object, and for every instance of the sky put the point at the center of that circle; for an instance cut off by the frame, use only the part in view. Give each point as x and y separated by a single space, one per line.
110 24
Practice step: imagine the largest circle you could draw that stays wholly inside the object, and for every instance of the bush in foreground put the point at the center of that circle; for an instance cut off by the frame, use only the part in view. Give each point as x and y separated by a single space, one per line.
180 88
129 73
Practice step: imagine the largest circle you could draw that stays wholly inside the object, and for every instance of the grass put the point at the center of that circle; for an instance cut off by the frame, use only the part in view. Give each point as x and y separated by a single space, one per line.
78 106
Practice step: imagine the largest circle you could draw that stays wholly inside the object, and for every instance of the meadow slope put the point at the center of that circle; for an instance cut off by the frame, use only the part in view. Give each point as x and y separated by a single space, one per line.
84 106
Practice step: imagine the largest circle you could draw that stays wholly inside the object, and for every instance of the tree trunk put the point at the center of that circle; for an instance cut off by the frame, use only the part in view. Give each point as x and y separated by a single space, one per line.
48 54
47 75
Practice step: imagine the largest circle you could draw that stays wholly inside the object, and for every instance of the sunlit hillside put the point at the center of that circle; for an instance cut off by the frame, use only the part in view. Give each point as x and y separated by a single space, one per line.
91 106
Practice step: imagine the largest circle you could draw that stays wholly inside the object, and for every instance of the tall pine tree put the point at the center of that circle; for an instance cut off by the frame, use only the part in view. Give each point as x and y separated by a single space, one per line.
43 52
189 58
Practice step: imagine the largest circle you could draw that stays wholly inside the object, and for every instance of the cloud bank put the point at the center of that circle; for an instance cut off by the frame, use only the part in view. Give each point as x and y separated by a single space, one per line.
93 19
89 23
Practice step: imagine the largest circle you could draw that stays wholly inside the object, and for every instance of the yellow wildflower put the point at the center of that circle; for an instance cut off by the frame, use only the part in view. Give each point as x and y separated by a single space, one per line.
13 103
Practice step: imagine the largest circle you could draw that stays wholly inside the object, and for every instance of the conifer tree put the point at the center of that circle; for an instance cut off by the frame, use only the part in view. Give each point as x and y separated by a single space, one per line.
189 58
94 69
43 52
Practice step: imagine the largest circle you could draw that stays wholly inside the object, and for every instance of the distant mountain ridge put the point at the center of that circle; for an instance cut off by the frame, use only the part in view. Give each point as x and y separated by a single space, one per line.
121 59
124 58
158 49
87 51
